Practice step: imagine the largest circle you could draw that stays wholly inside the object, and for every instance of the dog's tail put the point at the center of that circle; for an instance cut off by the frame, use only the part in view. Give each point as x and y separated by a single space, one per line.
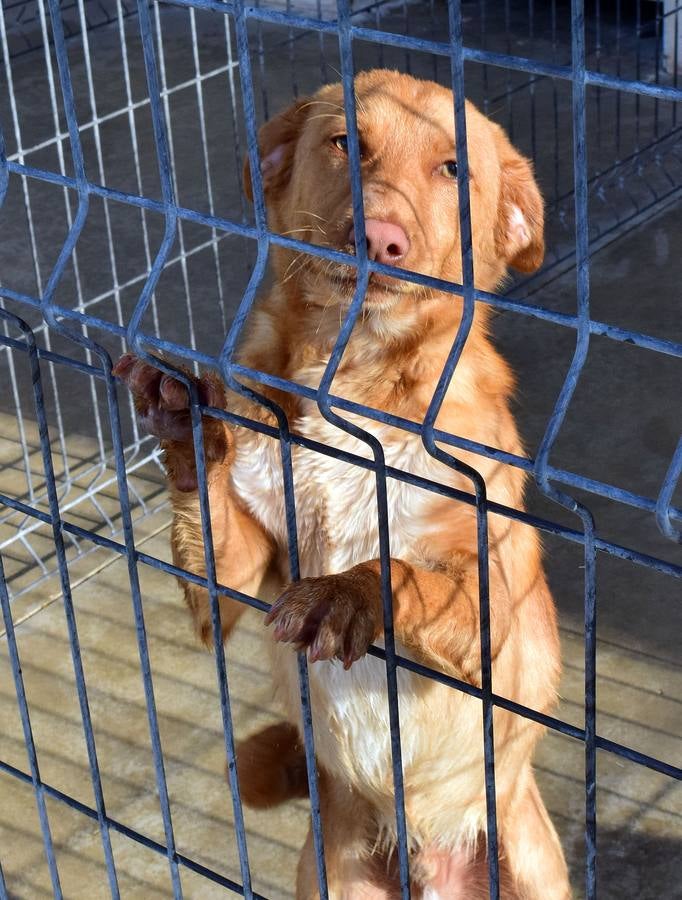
271 766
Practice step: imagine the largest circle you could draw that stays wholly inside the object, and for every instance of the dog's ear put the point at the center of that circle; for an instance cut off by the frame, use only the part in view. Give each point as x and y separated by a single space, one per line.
276 145
519 235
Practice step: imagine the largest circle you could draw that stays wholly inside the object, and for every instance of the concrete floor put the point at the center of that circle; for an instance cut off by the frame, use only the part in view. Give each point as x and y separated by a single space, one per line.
622 428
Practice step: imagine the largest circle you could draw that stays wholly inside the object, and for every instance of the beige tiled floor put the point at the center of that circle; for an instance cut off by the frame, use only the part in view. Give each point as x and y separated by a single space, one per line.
638 808
191 733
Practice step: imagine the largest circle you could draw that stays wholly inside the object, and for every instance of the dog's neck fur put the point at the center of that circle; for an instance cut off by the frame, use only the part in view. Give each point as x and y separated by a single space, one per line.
393 349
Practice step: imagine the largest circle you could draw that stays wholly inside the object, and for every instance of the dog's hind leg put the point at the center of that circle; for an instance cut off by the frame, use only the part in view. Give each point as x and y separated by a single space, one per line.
532 847
354 871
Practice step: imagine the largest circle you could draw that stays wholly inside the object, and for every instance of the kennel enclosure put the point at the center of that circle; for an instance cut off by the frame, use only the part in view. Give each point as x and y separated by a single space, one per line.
125 127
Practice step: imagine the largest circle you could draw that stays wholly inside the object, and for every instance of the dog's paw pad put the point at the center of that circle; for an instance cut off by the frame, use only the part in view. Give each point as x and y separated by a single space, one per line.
163 404
329 617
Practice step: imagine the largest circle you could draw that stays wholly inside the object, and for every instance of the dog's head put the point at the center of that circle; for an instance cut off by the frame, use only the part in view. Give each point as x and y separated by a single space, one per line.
409 178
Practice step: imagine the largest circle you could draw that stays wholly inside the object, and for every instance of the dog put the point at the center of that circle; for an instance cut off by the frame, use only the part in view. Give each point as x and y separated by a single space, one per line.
392 362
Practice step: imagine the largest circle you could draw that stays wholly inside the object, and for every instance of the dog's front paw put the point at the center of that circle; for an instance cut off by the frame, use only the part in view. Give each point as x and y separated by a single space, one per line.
162 405
333 617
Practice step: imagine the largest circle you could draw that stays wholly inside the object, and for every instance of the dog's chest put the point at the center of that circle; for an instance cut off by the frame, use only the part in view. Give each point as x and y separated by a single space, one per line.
335 501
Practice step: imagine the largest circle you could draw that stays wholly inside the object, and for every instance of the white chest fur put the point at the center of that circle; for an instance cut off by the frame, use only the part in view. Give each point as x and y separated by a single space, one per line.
337 525
336 504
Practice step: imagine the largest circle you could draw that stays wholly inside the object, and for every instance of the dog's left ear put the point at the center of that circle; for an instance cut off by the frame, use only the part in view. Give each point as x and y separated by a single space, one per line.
519 235
276 145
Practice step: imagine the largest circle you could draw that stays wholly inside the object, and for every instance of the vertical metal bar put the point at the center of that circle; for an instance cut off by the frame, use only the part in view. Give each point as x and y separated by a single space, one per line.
583 284
555 106
320 36
597 50
219 649
233 112
161 57
507 29
618 74
434 57
406 26
165 172
87 56
638 67
215 241
140 628
458 88
52 319
69 612
556 421
138 172
590 618
324 405
226 364
676 61
74 255
482 11
3 885
261 66
531 35
377 22
22 703
657 63
292 54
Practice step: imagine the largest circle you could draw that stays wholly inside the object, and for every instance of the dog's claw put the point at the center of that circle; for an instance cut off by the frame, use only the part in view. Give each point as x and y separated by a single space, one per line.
162 404
325 616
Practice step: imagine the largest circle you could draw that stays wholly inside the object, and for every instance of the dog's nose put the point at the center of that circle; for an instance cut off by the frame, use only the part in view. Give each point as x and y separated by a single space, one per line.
386 243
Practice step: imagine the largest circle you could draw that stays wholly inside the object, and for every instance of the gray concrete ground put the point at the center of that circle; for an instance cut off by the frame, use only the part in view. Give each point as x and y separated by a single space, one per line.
622 428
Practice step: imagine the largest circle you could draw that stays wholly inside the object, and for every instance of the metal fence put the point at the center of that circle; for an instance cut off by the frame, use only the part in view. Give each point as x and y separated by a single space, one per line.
177 219
634 169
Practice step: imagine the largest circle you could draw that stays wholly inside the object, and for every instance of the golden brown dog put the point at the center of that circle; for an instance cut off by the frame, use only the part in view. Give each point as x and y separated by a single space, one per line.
393 361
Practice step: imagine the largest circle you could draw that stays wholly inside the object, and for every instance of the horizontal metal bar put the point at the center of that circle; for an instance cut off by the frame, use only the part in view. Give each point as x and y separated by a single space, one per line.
613 549
129 832
437 48
548 721
562 476
648 342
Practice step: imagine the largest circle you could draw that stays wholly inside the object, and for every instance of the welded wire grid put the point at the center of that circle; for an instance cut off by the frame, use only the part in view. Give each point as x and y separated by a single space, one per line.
635 169
84 186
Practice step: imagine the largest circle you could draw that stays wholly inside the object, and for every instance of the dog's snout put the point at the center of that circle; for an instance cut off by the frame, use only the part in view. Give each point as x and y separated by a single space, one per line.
386 243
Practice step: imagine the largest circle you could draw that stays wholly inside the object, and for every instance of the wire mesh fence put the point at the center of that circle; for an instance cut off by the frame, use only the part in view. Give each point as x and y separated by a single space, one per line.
634 164
121 175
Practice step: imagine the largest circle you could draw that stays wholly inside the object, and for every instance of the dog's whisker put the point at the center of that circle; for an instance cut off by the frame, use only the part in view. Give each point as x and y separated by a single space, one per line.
326 116
320 103
304 259
322 314
309 212
288 268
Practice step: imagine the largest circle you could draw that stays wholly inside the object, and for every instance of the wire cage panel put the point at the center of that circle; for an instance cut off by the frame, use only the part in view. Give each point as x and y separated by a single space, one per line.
634 167
121 184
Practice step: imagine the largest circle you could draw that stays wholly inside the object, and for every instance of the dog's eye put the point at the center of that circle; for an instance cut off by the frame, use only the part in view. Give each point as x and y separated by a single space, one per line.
341 142
448 169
